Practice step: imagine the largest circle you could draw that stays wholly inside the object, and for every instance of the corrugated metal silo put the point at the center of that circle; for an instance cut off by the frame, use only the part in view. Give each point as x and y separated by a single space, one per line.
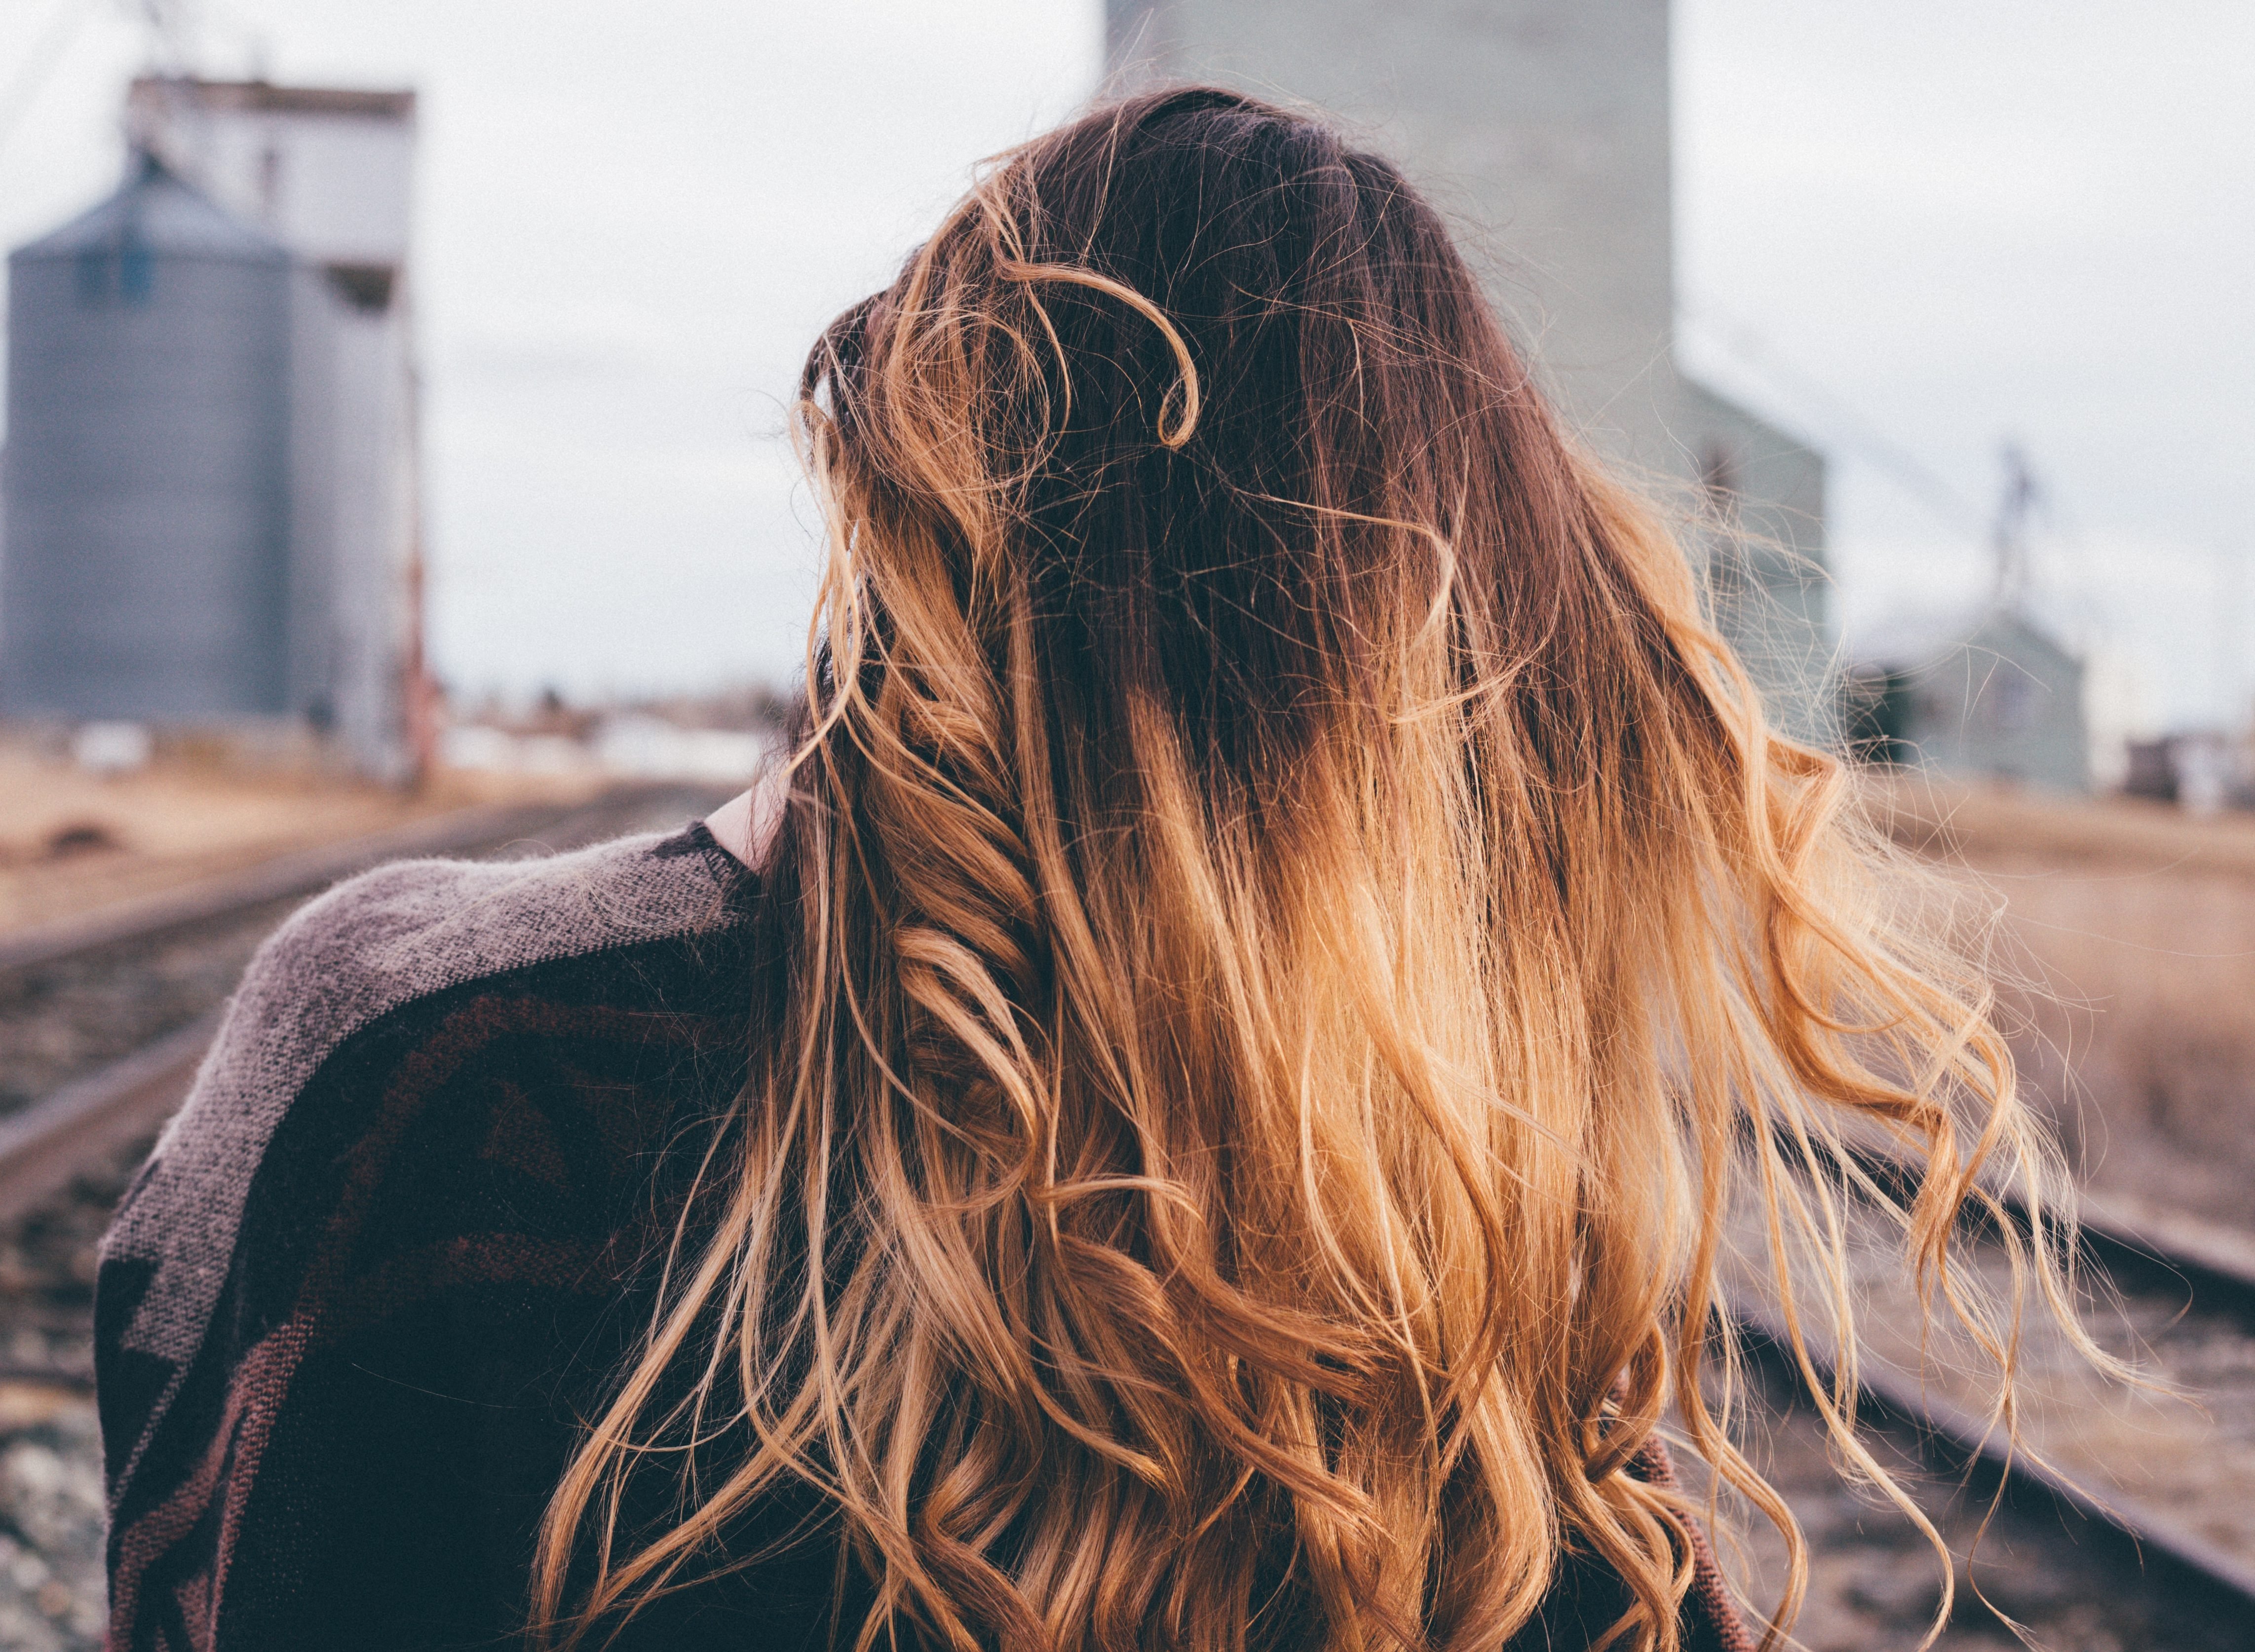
147 551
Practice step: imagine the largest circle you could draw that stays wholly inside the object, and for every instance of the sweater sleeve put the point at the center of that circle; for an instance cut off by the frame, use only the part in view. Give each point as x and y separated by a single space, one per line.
1711 1620
341 1312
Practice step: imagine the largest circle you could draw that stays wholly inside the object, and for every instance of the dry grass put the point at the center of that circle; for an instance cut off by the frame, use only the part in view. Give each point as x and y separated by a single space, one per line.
2136 926
72 842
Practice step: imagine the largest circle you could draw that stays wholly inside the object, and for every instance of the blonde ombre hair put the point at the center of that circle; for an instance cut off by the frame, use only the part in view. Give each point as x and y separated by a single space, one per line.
1290 932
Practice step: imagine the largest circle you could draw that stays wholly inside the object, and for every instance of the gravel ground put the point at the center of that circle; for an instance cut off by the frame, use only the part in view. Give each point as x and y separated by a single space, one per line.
1875 1583
51 1570
51 1504
58 1023
62 1020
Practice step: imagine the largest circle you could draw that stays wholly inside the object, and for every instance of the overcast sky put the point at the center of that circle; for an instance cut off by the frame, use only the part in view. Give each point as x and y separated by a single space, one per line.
1908 229
1948 222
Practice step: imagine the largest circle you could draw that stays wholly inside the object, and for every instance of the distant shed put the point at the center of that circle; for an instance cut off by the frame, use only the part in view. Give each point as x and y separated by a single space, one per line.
146 569
1990 695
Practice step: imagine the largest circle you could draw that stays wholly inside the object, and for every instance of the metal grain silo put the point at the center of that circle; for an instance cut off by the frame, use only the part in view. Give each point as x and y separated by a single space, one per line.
144 571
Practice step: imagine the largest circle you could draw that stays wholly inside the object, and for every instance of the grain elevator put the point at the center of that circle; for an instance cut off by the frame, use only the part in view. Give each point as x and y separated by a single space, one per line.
212 473
1542 128
148 549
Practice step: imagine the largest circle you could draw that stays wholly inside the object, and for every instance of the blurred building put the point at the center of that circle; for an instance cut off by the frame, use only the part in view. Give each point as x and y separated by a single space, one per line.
212 473
1542 127
148 546
1989 692
2200 770
1988 695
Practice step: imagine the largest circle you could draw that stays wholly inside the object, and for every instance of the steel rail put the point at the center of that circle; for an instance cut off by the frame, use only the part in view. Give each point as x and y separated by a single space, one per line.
81 1125
2218 1274
1971 1441
2219 1267
85 1121
2212 1270
300 872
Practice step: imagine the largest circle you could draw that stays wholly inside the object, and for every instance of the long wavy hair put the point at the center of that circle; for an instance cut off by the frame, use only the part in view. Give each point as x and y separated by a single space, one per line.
1290 933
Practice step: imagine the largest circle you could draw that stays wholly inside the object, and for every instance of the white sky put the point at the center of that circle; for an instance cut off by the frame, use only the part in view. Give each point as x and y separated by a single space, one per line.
1913 225
1971 221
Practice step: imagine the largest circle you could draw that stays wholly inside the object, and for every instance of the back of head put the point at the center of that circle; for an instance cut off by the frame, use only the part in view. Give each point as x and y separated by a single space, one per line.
1289 925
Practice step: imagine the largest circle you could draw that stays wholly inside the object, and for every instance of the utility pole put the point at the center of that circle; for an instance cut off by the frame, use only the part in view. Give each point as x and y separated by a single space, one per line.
172 41
2008 540
2230 603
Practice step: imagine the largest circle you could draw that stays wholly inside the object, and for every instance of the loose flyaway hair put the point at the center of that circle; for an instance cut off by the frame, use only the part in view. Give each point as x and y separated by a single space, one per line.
1290 938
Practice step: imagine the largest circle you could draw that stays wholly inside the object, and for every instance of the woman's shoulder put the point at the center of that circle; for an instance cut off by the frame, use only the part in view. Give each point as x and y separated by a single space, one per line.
379 960
405 932
428 1102
413 927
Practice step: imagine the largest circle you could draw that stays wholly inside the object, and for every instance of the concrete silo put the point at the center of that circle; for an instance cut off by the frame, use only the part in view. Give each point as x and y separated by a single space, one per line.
328 171
1542 128
146 564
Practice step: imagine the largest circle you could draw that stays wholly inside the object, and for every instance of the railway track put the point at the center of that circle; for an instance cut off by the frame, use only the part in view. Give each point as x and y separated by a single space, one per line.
2128 1525
117 1017
102 1018
81 992
103 1021
279 877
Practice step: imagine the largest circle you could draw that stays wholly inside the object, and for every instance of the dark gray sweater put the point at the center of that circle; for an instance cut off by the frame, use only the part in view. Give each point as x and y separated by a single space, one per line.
394 1248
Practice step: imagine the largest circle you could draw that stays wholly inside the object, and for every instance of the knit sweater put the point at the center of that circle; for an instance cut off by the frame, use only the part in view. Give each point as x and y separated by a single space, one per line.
394 1248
